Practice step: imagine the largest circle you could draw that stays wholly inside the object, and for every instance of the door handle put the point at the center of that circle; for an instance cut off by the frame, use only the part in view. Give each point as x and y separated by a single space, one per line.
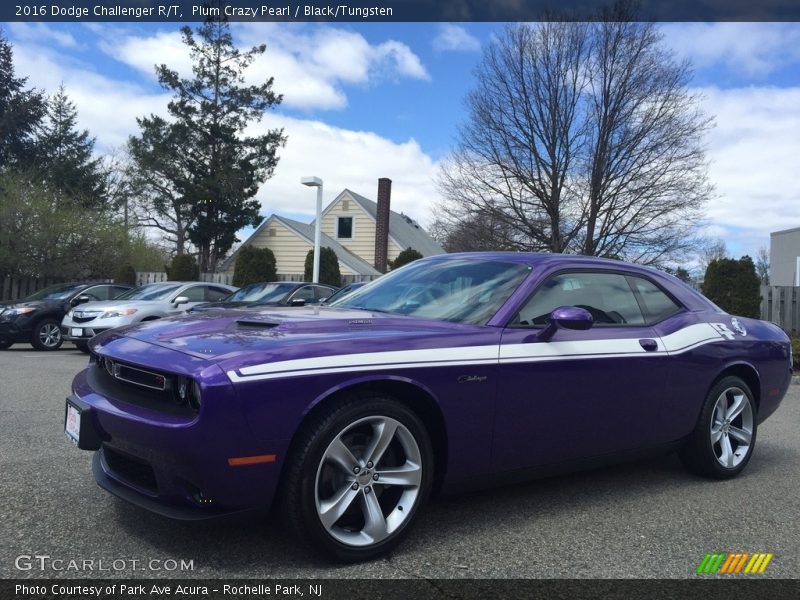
649 345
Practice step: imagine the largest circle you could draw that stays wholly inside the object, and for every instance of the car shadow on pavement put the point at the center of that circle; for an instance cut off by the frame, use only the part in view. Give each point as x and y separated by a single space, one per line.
253 544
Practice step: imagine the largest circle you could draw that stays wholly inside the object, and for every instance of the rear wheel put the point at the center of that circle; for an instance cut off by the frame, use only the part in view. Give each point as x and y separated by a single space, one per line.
357 478
47 335
723 441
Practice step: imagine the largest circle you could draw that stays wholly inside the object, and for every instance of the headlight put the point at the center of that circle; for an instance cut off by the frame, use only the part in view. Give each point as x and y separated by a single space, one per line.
18 311
188 392
118 312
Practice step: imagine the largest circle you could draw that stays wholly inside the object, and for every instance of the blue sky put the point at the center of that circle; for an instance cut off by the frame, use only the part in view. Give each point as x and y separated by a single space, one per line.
368 100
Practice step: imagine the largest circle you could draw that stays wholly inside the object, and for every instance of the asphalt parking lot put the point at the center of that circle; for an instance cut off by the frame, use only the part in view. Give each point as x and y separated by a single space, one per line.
649 519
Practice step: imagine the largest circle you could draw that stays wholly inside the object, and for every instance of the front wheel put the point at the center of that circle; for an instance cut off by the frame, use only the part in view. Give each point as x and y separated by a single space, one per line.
82 346
47 335
722 443
358 476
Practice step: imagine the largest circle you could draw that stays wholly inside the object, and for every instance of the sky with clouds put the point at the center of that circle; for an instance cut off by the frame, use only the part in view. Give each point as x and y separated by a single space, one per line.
372 100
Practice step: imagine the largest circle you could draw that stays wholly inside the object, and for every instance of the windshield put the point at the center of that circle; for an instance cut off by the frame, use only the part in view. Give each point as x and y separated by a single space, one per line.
345 291
151 291
56 292
461 290
261 292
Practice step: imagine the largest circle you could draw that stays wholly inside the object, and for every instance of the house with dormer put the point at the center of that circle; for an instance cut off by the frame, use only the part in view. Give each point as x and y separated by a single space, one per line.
365 235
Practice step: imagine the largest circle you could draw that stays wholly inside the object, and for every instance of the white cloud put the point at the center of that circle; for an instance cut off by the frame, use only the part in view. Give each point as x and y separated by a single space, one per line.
755 49
41 33
107 108
754 151
456 38
342 157
310 65
346 159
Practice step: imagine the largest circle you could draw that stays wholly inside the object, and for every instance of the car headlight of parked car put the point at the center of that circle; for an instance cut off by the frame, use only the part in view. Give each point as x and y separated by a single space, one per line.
12 312
118 312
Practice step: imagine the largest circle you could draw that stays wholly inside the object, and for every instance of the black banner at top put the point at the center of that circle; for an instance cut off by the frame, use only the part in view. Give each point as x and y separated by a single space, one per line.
388 10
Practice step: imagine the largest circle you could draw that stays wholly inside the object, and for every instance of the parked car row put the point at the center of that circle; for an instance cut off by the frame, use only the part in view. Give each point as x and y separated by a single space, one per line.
76 312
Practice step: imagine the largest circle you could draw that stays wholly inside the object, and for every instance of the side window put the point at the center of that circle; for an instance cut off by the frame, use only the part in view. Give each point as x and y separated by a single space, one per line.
97 292
322 293
216 294
656 305
196 293
304 293
606 295
117 290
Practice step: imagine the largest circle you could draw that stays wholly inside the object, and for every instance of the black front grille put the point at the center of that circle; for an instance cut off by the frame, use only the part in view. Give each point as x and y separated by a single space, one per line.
167 401
130 469
83 319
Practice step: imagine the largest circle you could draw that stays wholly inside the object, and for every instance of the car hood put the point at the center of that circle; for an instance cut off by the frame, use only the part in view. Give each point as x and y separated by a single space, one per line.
107 304
237 339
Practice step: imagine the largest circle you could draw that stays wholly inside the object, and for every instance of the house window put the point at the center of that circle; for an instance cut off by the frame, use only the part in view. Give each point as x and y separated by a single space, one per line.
344 228
271 232
345 205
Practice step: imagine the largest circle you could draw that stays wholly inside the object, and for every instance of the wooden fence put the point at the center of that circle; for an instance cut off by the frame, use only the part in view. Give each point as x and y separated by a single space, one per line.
779 304
15 288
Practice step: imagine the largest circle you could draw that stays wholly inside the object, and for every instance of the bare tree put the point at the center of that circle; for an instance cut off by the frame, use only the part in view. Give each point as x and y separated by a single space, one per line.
762 265
711 250
583 138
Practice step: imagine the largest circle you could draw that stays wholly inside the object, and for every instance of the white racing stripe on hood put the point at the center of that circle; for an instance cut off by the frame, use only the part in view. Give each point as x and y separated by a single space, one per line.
678 342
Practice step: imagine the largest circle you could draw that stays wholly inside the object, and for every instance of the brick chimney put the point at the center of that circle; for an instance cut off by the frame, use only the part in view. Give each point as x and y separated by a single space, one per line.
382 223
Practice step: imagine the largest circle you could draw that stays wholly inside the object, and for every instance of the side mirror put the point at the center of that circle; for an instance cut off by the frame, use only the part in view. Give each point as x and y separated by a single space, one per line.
297 302
81 300
180 300
567 317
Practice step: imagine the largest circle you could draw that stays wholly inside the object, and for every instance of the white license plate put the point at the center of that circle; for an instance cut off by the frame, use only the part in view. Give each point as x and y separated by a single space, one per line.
72 426
76 332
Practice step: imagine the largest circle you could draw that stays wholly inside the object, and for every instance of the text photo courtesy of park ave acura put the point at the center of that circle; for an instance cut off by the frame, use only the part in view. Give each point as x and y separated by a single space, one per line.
424 301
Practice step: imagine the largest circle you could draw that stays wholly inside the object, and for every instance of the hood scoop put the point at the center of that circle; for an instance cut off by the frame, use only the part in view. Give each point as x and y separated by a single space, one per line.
247 323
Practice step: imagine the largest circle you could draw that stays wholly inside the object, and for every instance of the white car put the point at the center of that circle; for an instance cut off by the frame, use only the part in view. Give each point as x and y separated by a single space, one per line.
145 303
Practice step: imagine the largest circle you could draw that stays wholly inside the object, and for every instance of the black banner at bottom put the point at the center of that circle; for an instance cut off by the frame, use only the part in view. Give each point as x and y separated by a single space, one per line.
418 589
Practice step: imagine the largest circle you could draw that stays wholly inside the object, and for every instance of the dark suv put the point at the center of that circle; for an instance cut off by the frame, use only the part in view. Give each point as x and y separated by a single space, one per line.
37 318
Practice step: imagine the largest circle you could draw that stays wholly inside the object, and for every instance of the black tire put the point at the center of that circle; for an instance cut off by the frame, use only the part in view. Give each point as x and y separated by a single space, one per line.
82 346
700 454
305 464
40 341
5 344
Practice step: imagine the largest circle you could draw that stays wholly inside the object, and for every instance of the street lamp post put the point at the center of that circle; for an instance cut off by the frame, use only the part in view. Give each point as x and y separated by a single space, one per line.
317 183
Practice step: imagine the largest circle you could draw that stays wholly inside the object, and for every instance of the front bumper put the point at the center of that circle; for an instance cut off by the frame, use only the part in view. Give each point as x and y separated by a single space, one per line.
17 331
77 331
177 465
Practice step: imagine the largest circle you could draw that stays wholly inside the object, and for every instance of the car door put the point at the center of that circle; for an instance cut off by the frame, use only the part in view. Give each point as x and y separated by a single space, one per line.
582 393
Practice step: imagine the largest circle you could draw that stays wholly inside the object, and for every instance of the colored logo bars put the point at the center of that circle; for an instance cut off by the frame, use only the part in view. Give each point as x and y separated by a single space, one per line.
734 562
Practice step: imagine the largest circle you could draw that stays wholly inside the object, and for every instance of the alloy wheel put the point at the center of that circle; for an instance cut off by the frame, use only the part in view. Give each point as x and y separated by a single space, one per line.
732 427
50 335
368 481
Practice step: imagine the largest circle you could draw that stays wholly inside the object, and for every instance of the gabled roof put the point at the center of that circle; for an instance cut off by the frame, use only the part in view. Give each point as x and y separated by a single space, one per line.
403 230
350 260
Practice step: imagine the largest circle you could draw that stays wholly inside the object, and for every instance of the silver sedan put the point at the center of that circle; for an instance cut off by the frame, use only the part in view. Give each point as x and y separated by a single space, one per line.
145 303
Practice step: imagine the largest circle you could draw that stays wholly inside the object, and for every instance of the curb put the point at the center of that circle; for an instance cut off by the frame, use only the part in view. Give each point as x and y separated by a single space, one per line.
795 379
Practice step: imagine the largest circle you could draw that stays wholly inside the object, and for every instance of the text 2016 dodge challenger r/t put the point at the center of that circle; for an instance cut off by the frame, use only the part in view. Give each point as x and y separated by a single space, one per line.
455 371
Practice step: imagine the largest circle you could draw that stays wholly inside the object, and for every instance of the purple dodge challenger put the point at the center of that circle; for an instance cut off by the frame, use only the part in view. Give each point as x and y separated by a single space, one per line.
454 372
